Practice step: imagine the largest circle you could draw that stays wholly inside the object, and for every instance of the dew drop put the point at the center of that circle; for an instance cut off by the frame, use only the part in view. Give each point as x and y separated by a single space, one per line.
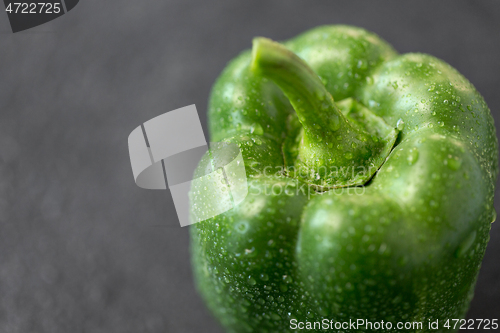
453 163
465 245
256 129
242 227
400 125
412 156
275 316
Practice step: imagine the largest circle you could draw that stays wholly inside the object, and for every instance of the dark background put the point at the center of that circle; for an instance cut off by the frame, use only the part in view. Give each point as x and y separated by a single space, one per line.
82 248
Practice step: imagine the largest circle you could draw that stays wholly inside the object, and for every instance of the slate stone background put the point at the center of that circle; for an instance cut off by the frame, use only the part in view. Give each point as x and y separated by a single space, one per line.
82 248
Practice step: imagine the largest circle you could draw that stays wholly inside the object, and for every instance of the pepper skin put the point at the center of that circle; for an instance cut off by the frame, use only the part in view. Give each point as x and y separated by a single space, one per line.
400 240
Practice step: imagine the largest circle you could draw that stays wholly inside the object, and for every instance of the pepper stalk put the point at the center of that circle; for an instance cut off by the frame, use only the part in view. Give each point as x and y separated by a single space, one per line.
337 145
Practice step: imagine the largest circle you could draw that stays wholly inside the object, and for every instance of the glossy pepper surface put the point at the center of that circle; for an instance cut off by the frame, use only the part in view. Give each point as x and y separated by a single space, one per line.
371 177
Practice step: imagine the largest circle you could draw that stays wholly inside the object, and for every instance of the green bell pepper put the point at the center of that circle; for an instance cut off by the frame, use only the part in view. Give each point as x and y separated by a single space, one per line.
376 206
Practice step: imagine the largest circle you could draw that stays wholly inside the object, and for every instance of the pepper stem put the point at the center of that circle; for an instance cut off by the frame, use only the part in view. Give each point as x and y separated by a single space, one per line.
313 104
331 144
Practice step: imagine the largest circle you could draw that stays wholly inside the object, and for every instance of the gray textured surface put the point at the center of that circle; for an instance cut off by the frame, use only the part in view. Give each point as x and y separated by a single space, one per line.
82 248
